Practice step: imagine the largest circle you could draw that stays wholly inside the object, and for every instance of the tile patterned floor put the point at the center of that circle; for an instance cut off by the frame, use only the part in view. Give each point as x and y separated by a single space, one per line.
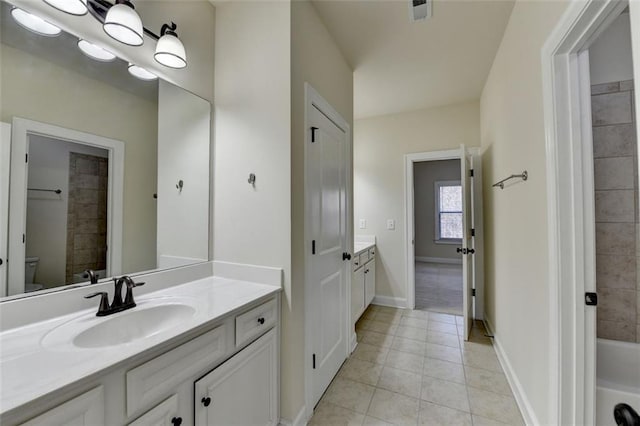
439 287
414 368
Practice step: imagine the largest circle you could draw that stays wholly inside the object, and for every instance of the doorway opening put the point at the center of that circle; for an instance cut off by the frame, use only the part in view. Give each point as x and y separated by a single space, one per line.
592 159
449 214
438 233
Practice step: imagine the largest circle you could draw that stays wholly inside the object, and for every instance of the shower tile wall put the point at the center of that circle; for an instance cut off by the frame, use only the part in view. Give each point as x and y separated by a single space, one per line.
616 202
87 215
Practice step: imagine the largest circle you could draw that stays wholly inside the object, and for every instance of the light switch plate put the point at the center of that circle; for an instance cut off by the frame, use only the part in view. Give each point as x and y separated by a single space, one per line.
391 224
363 223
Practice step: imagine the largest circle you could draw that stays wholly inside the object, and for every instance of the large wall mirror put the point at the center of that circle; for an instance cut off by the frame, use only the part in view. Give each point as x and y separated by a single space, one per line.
99 169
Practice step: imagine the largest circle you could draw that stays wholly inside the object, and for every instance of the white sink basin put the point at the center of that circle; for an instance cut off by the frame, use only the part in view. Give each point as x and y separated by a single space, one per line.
145 320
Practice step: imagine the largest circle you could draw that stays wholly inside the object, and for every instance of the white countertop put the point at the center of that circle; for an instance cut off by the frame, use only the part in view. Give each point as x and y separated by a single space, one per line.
359 247
29 369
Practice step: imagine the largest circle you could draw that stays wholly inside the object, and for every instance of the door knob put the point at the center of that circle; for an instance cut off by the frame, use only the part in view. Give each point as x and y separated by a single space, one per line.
260 320
346 256
461 250
206 401
176 421
470 251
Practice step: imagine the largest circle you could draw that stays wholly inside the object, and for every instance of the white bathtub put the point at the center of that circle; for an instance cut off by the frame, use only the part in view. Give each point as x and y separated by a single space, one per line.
618 378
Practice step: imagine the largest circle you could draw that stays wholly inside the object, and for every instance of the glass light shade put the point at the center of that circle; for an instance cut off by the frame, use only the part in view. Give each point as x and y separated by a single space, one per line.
170 52
34 23
123 24
72 7
141 73
95 52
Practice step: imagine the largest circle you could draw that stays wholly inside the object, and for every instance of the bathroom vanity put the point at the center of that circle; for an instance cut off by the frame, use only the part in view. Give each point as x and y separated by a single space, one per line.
184 355
363 279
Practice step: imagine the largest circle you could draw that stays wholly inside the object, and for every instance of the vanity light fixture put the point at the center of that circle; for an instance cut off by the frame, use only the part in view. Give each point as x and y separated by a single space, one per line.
141 73
123 23
34 23
95 52
170 51
72 7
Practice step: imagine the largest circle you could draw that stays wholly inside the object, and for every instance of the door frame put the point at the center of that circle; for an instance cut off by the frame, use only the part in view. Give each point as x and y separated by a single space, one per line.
570 208
21 129
478 265
313 99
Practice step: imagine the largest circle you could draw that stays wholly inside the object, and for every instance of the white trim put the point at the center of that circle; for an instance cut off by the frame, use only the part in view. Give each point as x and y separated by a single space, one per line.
314 100
5 166
21 129
300 419
393 302
516 387
446 260
569 246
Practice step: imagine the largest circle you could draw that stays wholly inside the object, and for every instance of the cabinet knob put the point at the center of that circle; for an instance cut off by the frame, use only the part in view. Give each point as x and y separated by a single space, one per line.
260 320
206 401
176 421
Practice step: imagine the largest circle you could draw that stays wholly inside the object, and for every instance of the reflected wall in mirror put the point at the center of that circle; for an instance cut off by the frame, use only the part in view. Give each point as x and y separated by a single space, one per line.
90 164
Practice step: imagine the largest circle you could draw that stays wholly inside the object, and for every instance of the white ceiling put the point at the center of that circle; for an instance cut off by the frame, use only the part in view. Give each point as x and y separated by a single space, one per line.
401 65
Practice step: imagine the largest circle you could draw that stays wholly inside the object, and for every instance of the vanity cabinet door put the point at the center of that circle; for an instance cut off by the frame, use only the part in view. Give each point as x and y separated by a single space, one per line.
243 390
357 294
369 282
164 414
84 410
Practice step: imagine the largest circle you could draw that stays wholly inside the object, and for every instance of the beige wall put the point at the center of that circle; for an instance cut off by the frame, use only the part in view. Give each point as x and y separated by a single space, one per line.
84 104
515 219
425 175
259 128
610 55
380 144
253 135
315 59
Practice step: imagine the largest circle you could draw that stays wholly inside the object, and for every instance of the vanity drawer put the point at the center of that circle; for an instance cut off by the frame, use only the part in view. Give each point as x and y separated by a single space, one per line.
364 257
161 414
255 322
158 378
355 262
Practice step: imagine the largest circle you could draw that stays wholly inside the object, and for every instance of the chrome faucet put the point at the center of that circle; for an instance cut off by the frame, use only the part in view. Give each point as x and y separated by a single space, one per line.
117 305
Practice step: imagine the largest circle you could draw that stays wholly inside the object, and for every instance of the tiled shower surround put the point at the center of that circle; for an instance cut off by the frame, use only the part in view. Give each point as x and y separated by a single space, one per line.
87 214
616 200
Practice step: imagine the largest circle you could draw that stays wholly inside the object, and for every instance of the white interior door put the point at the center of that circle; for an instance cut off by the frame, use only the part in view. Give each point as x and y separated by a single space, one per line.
326 186
5 163
468 250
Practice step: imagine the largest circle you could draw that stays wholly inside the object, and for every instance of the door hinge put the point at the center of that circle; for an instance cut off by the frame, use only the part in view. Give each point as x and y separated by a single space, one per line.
314 361
591 299
471 172
473 232
313 134
313 247
26 157
473 292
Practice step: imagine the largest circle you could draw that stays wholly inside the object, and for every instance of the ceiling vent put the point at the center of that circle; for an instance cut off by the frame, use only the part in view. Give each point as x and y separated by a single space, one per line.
419 10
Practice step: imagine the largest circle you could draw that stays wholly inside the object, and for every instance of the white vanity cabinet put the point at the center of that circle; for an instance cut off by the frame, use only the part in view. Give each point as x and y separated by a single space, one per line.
363 282
243 390
233 361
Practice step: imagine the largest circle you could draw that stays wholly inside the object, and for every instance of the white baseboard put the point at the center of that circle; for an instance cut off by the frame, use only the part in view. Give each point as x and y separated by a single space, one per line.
526 409
298 421
354 341
394 302
439 260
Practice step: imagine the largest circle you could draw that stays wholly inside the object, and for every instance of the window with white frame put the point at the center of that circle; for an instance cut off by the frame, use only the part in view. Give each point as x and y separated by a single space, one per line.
448 216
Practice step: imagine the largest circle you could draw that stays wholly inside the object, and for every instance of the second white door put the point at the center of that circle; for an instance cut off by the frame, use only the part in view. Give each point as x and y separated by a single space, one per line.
327 202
